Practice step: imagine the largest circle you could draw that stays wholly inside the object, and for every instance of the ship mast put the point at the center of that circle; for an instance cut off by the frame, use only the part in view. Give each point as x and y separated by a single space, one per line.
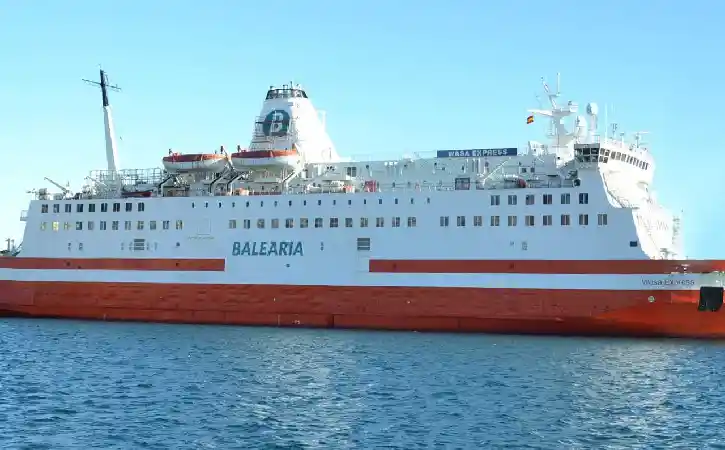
111 152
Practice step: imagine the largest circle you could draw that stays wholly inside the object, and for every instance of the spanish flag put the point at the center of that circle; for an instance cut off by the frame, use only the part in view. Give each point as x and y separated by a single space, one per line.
530 120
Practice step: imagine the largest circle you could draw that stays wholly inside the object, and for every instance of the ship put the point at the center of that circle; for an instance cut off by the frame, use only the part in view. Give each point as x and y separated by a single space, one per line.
561 236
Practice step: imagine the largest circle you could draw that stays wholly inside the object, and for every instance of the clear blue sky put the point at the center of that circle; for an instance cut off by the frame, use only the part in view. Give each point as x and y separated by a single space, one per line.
394 76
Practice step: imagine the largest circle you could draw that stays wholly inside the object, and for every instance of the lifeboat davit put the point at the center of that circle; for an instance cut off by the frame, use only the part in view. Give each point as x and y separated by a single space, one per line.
196 162
266 159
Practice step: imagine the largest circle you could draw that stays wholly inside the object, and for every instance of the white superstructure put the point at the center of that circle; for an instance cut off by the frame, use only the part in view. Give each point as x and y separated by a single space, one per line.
579 196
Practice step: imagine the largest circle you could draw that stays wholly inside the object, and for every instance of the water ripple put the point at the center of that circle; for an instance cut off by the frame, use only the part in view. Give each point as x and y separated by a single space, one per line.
91 385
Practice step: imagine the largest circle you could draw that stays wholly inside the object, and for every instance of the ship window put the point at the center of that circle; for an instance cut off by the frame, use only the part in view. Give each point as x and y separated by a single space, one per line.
102 225
583 198
396 201
495 221
56 208
127 225
79 226
116 207
43 225
349 202
179 224
512 221
632 243
396 222
206 204
80 246
67 207
66 226
141 206
601 219
303 222
304 202
129 207
246 204
152 224
547 220
477 221
319 202
380 201
165 224
55 226
90 225
363 222
104 207
91 207
44 208
461 221
583 219
260 223
114 225
565 220
318 222
275 203
232 224
427 200
495 200
333 222
363 244
530 199
289 223
247 224
365 201
565 199
444 221
289 203
548 199
412 222
513 199
275 223
139 225
379 222
334 202
348 222
529 221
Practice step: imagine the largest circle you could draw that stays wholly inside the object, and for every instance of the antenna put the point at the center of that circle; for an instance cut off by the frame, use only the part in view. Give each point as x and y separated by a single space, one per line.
104 86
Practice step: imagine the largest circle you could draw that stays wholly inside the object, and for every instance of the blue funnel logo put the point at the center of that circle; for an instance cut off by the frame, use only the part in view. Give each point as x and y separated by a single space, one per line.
276 123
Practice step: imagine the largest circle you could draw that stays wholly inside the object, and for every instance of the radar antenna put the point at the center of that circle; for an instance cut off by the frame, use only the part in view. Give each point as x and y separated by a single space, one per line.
104 86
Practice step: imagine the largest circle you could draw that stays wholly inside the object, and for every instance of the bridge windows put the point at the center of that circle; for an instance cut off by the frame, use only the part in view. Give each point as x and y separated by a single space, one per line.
363 222
116 207
548 199
56 208
601 219
495 221
139 225
260 223
274 223
102 225
565 199
513 199
141 207
129 207
333 222
166 224
495 200
67 207
348 222
55 226
127 225
444 221
43 225
44 208
180 224
547 220
530 221
396 222
66 226
461 221
583 198
304 222
152 224
289 223
104 207
79 226
379 222
477 221
90 225
584 219
318 222
565 220
79 207
114 225
411 222
529 199
512 221
91 207
232 224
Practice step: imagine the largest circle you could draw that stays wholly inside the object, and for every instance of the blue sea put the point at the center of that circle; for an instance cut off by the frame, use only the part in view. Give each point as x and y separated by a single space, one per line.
83 385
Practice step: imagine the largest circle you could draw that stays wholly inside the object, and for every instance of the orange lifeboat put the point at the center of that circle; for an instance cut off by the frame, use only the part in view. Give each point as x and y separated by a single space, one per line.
195 162
265 159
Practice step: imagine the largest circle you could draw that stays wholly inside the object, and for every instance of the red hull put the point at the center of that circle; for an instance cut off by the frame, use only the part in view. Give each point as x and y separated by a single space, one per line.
518 311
